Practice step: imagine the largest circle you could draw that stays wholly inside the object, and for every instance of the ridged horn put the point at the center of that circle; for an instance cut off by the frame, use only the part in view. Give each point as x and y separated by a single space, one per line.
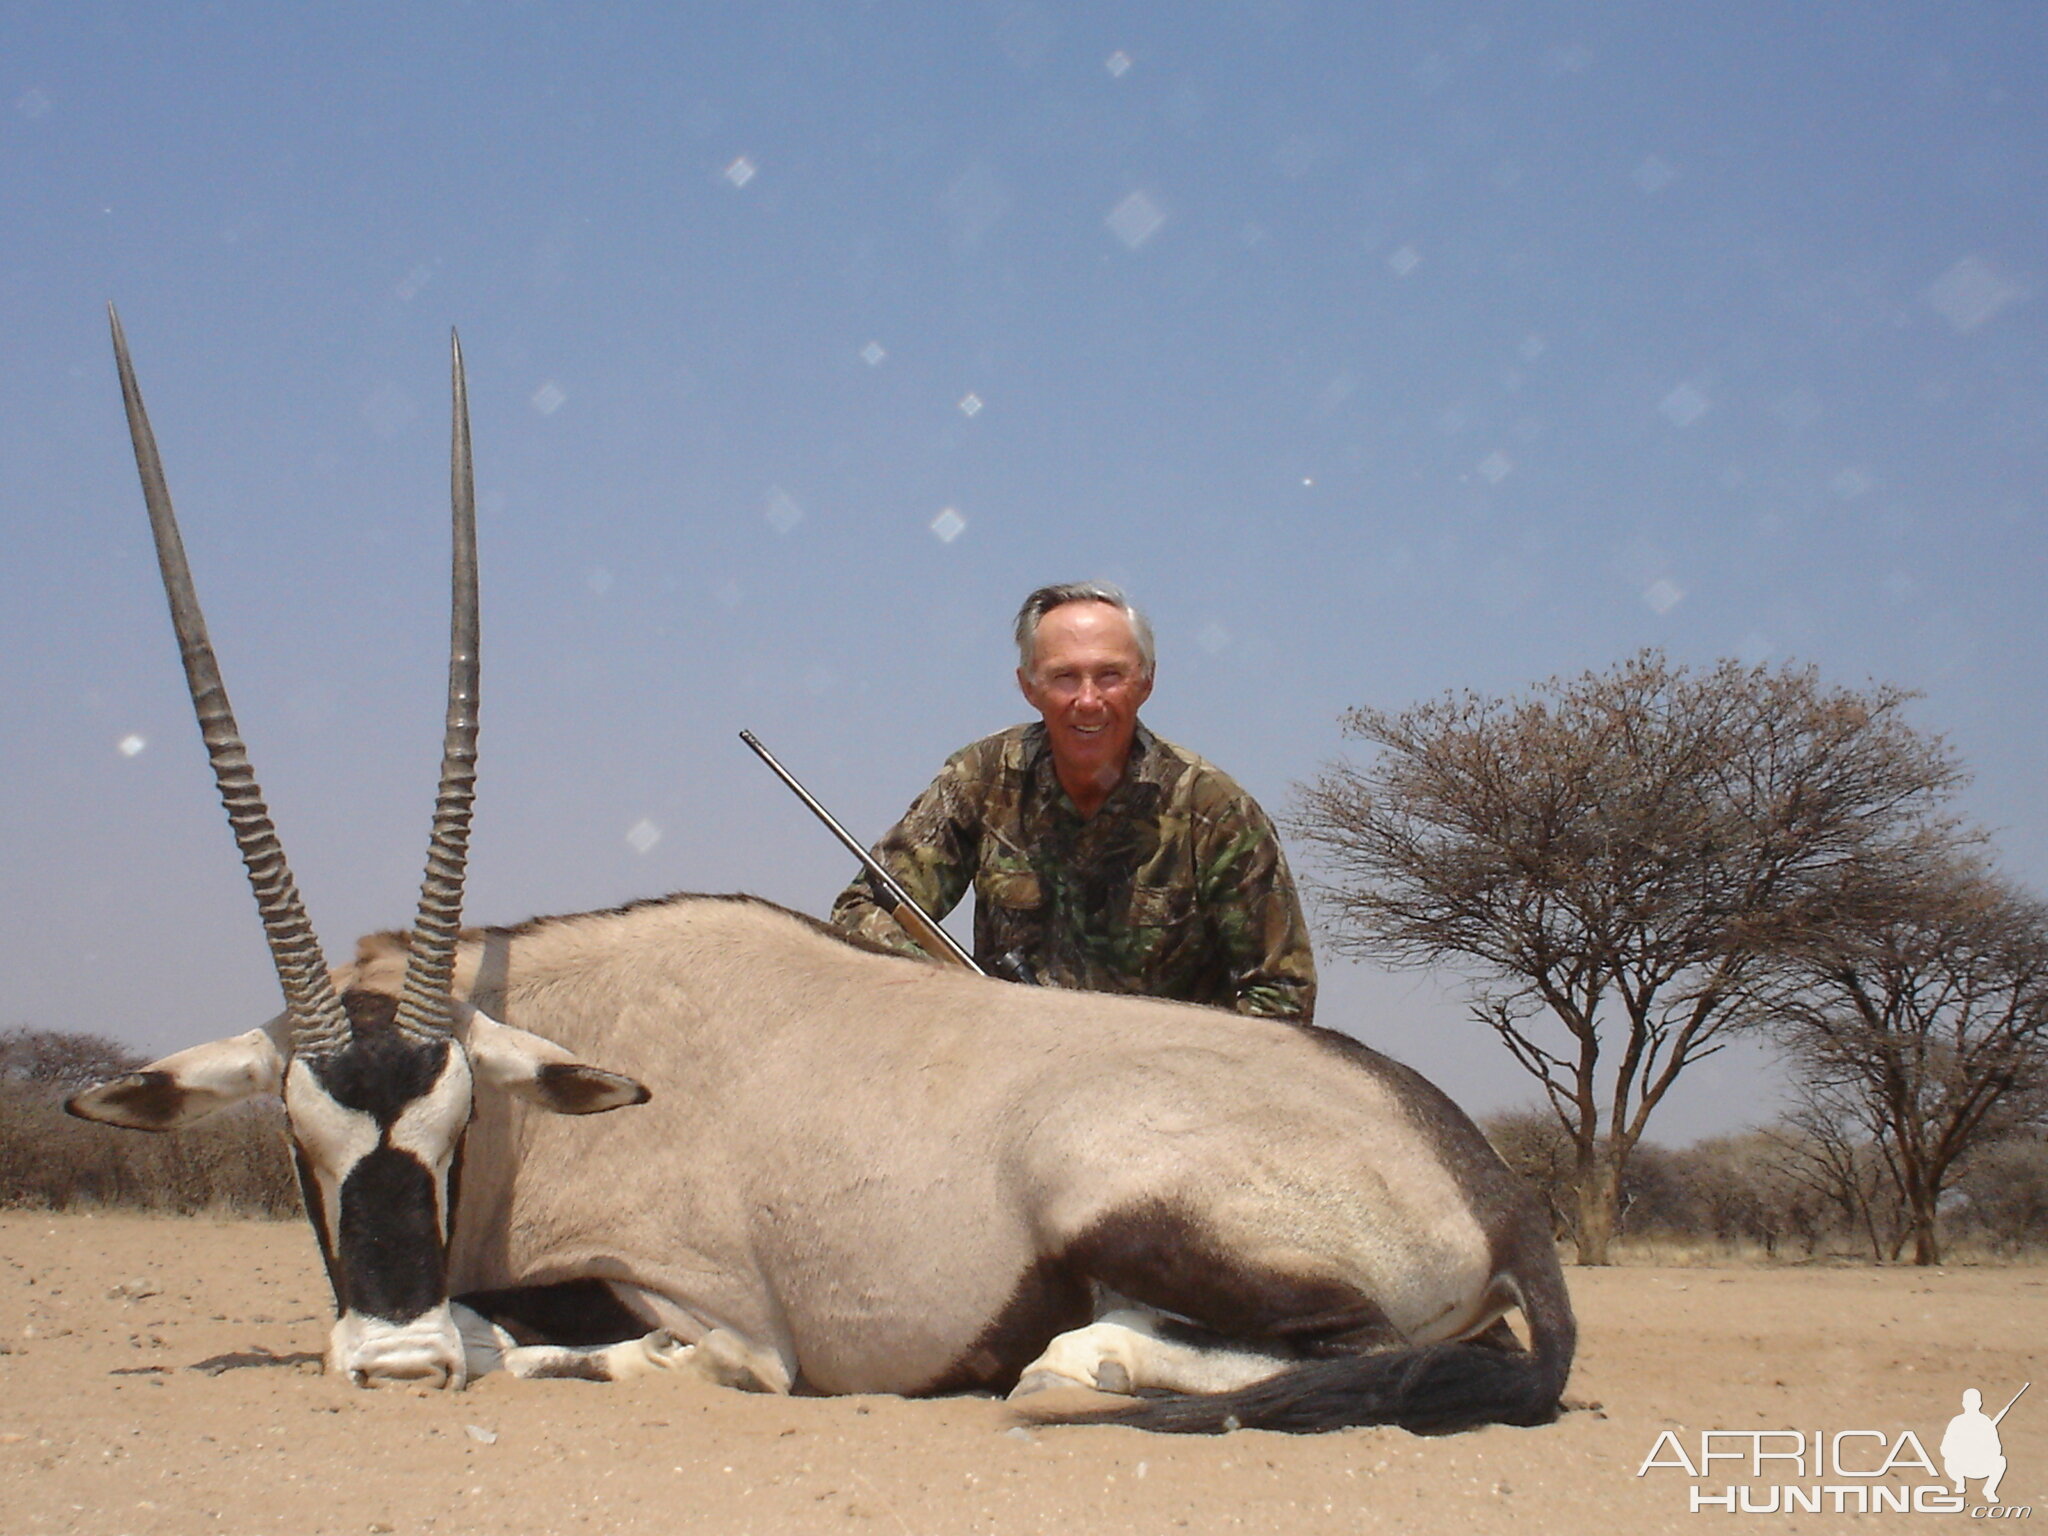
423 1004
319 1025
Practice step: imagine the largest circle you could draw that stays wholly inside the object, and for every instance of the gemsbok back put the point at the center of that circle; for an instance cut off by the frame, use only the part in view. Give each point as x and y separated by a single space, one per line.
855 1172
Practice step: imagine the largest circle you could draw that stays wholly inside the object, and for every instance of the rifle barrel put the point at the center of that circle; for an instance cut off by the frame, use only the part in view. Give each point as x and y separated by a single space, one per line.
908 912
2015 1398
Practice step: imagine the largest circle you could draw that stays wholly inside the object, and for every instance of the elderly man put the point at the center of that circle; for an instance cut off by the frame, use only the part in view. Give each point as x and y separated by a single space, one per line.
1102 857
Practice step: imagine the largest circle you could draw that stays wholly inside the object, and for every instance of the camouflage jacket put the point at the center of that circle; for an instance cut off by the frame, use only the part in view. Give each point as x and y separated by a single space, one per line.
1176 887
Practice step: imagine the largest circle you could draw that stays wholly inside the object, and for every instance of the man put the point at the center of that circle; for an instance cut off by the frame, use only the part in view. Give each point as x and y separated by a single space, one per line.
1102 857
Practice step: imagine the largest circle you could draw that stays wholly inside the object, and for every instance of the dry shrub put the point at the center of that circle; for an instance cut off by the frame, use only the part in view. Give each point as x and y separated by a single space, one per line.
1999 1207
235 1161
1772 1196
1536 1146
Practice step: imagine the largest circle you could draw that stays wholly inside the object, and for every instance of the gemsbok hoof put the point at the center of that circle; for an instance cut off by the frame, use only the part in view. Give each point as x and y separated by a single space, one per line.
1110 1376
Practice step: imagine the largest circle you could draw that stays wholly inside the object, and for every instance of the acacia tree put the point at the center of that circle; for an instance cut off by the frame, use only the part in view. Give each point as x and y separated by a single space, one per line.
1926 1030
1824 1151
1616 854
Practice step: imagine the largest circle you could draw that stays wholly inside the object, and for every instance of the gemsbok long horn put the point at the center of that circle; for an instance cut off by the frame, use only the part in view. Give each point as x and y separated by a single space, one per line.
423 1004
319 1026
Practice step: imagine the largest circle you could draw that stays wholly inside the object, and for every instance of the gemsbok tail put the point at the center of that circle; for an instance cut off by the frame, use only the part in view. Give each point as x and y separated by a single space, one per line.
1430 1389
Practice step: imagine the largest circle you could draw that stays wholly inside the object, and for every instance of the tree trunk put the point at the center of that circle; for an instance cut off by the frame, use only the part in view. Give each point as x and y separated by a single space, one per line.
1926 1241
1599 1203
1922 1195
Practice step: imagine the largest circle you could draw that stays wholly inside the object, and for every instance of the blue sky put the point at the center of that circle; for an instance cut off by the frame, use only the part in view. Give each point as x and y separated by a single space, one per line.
1380 350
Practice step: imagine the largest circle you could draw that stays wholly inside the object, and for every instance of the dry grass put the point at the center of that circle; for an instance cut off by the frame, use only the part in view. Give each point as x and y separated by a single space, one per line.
1665 1250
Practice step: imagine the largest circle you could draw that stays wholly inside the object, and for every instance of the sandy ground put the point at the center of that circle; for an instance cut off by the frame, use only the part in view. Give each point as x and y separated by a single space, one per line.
162 1376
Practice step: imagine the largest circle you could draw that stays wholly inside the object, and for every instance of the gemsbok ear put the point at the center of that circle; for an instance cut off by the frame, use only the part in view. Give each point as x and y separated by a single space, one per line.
542 1073
186 1087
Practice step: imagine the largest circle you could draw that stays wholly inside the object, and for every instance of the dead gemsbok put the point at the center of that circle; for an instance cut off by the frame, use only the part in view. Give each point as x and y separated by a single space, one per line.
857 1172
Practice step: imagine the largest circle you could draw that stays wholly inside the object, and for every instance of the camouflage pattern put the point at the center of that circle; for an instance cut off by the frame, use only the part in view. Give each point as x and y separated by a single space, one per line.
1175 888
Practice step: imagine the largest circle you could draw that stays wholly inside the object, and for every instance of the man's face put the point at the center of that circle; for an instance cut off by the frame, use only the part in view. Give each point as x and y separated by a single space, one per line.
1087 681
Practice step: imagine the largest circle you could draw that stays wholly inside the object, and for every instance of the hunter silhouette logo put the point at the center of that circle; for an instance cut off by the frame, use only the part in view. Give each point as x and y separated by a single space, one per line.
1971 1447
1844 1471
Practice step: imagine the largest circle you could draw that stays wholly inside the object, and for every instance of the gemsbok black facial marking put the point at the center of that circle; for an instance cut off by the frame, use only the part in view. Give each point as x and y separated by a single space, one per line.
389 1136
390 1241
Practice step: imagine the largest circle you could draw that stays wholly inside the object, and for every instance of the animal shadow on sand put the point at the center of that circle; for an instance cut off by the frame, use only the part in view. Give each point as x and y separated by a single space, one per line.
255 1357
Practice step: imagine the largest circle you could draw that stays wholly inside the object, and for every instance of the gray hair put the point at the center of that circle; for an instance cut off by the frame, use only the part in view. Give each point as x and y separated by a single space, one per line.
1045 599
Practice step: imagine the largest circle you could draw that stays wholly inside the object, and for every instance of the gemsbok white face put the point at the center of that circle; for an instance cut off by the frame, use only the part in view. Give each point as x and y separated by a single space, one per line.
378 1090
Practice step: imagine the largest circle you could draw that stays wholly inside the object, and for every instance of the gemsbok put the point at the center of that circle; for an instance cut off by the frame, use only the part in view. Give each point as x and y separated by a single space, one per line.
852 1171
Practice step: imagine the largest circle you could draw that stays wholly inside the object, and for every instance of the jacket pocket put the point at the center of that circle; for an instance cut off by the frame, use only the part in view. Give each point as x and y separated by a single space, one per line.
1014 890
1167 907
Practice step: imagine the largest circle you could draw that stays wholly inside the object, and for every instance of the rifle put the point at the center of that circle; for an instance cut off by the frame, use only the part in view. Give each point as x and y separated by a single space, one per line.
2008 1407
916 922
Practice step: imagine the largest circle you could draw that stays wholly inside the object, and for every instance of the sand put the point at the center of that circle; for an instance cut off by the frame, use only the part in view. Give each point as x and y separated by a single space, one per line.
162 1375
